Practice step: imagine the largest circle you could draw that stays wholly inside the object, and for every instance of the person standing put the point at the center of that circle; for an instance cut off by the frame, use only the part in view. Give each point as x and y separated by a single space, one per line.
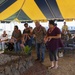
39 32
53 43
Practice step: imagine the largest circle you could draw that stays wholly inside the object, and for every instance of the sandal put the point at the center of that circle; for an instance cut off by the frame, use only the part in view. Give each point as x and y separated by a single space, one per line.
51 67
56 67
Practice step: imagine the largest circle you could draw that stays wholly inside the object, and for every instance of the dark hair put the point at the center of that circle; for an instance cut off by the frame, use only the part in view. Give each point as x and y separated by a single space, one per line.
16 26
55 24
26 24
51 22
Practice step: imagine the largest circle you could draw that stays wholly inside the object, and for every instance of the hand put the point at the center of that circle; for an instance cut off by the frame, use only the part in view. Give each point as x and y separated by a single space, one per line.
45 39
25 34
34 35
49 38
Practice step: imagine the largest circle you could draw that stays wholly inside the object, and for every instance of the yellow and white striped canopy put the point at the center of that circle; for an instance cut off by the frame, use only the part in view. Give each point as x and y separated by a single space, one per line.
29 10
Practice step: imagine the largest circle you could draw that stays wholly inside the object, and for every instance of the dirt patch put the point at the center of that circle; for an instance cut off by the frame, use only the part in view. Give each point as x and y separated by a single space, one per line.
66 64
36 69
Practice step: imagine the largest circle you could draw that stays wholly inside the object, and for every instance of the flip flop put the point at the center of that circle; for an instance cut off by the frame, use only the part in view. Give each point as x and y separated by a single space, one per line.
51 67
55 68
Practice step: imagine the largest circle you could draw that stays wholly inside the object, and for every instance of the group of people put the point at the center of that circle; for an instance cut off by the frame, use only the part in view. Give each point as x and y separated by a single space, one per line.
50 39
20 40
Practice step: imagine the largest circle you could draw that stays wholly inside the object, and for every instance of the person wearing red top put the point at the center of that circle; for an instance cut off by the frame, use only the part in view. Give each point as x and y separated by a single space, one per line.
53 39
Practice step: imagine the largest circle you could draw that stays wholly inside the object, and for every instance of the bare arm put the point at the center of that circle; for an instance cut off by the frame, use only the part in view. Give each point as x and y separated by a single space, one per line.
45 39
56 37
